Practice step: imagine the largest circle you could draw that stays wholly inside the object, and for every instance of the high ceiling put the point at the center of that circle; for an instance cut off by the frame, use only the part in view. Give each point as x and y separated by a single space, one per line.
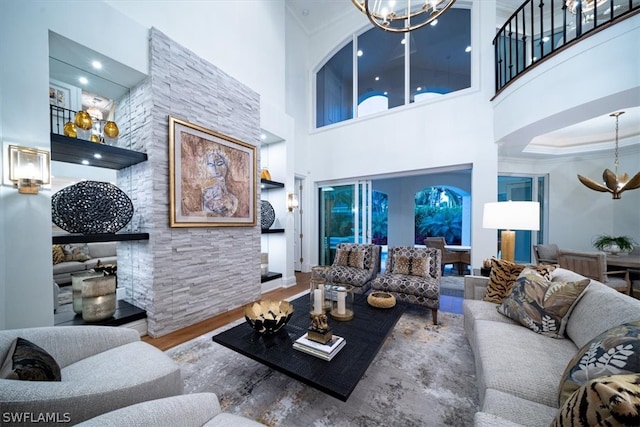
589 136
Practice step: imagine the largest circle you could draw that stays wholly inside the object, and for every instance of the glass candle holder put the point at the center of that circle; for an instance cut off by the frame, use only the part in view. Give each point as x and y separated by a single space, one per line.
342 302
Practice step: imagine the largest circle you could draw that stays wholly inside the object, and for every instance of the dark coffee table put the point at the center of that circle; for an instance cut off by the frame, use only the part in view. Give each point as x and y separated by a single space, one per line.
338 377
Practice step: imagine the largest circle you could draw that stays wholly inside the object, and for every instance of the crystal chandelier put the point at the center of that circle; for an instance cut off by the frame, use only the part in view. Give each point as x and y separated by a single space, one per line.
404 15
614 183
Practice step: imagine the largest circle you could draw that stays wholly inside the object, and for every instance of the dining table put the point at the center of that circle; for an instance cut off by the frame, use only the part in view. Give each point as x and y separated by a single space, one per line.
631 261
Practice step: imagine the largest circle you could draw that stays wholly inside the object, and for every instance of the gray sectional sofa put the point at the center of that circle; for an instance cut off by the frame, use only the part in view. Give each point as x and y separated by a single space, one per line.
102 368
188 410
105 252
518 370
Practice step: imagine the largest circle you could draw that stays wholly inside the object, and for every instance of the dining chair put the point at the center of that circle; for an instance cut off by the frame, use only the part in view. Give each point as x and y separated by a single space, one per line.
594 266
446 256
546 254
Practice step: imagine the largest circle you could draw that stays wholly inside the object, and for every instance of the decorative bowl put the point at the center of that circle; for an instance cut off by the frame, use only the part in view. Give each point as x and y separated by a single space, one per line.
83 120
268 316
381 299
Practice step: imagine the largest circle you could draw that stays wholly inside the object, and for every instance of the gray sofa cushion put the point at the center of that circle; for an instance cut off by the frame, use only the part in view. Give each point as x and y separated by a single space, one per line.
516 410
512 359
102 249
189 410
68 267
589 319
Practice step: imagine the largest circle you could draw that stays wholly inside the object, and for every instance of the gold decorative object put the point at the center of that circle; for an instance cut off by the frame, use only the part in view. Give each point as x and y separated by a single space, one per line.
264 174
614 183
111 129
268 316
402 16
69 130
319 330
381 299
95 138
83 120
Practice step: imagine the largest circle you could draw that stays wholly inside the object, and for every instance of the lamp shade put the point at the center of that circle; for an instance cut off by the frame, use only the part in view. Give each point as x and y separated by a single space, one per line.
511 215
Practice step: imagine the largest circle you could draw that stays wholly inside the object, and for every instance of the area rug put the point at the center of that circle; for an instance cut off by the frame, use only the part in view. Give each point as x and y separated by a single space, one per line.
424 375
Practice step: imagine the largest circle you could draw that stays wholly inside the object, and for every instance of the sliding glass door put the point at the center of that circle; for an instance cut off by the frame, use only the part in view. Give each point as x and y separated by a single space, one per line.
345 216
525 188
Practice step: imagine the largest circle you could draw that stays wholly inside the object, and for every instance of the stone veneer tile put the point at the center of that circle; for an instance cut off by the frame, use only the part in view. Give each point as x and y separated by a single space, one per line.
184 275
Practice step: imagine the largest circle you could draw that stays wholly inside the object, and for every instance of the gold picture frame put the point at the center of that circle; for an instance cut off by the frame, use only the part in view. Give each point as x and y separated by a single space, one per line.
212 178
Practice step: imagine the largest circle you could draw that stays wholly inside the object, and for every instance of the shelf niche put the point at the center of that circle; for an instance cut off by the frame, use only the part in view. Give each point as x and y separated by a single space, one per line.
64 239
73 150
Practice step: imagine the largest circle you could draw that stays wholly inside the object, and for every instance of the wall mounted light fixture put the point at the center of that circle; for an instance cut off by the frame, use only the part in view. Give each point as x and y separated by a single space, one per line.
292 202
29 168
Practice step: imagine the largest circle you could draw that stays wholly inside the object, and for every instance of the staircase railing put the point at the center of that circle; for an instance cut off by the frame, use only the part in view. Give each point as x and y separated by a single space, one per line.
540 28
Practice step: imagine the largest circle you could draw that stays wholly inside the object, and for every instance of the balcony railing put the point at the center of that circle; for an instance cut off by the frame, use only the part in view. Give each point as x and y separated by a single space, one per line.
540 28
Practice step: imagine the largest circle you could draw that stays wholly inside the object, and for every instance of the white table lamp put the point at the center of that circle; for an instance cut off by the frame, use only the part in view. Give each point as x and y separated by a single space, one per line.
509 216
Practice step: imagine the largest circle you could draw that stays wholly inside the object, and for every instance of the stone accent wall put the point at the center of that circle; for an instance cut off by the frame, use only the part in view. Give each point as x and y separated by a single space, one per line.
184 275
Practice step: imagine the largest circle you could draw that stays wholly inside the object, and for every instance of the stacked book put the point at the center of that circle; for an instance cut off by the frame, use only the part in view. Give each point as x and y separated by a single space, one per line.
323 351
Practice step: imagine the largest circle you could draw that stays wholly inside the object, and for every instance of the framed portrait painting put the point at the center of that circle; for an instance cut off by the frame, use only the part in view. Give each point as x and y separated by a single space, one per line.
212 178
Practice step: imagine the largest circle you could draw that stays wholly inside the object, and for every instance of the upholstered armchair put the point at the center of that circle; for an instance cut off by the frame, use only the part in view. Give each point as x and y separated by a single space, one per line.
355 264
412 275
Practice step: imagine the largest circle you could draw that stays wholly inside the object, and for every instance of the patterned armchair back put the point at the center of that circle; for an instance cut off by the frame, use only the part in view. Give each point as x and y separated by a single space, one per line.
432 255
371 254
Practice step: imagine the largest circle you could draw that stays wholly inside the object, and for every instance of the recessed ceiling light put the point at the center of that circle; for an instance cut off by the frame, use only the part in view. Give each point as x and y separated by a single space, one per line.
97 155
386 93
467 49
96 64
85 162
404 41
419 88
434 23
83 80
263 136
360 53
377 78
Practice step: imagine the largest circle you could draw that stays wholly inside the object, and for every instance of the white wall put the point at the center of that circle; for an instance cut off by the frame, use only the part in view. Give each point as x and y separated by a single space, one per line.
26 220
214 30
242 38
578 214
456 129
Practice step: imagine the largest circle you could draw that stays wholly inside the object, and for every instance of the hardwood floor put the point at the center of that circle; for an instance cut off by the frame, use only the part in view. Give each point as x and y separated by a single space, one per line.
178 337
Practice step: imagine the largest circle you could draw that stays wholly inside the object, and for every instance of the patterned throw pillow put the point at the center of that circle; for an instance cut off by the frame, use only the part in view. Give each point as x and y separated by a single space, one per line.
30 362
75 253
350 258
540 304
58 254
410 266
504 273
605 401
614 352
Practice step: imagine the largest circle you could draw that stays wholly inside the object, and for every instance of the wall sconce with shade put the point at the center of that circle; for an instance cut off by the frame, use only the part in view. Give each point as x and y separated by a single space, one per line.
510 216
292 202
29 168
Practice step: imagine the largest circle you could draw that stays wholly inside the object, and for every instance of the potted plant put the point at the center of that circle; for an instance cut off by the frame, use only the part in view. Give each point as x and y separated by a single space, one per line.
612 244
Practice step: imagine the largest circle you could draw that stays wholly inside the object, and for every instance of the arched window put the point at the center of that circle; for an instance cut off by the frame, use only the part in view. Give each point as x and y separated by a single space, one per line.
438 212
402 68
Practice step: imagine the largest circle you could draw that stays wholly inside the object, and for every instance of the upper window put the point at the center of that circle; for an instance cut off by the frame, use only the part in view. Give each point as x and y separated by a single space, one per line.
394 69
